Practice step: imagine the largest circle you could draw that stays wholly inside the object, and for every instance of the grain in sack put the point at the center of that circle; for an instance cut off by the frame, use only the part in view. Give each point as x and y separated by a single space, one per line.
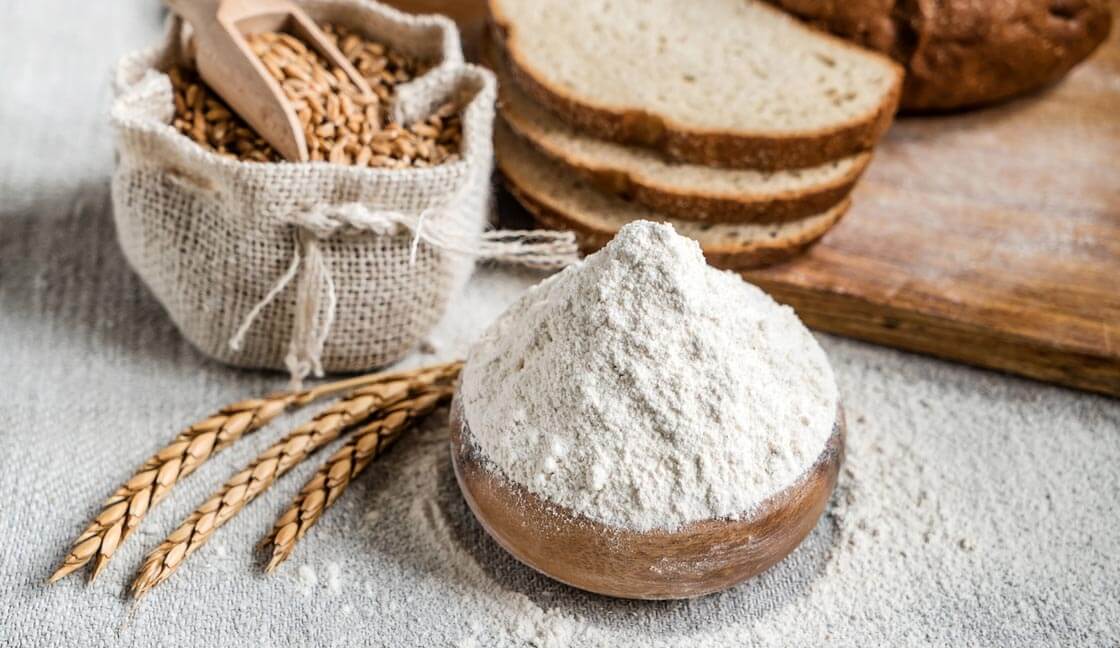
313 267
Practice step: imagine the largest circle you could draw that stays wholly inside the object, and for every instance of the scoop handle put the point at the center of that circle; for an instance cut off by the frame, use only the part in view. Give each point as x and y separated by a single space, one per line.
234 72
197 12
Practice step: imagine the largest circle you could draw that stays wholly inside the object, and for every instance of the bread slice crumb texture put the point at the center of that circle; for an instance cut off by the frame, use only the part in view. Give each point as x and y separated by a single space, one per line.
681 190
733 68
561 200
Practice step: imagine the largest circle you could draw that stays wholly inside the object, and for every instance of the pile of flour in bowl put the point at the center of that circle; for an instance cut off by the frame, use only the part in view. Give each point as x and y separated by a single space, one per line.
645 389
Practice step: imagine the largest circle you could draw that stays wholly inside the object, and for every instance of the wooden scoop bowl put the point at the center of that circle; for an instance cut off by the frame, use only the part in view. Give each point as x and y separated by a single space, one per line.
227 64
698 559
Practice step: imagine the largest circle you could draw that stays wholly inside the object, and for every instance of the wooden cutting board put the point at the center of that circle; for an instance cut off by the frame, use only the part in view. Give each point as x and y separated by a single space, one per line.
990 237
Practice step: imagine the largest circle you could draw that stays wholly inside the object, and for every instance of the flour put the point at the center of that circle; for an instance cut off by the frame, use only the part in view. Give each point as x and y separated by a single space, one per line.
334 578
307 577
937 453
645 389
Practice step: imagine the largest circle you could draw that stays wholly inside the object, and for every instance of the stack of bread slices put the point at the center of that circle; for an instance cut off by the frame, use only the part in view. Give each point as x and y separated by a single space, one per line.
727 118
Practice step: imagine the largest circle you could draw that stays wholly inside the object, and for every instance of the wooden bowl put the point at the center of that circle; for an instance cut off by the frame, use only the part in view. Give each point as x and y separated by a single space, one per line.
697 559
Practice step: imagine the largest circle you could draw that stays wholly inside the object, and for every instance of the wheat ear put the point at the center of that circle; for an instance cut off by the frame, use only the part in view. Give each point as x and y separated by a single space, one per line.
243 487
126 507
366 444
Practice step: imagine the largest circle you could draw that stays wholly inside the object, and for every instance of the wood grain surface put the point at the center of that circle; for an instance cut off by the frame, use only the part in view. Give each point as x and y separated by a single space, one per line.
989 237
697 559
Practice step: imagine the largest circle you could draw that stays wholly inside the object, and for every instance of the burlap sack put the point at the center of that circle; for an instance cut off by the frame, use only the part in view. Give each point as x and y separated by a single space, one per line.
309 267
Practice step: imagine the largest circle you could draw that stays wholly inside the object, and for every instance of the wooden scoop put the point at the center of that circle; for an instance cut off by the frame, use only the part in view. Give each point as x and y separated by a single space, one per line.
700 558
232 70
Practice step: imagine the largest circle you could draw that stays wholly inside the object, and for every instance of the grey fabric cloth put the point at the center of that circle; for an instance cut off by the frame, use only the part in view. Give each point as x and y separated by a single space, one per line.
974 508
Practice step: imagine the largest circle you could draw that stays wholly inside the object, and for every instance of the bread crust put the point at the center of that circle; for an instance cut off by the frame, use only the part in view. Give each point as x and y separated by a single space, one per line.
679 202
773 207
680 142
744 256
961 53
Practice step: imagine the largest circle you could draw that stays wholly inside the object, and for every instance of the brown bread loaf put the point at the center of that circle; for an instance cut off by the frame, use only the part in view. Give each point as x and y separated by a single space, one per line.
965 53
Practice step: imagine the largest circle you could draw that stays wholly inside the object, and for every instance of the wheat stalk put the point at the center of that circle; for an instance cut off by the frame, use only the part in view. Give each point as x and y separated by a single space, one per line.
243 487
321 491
123 511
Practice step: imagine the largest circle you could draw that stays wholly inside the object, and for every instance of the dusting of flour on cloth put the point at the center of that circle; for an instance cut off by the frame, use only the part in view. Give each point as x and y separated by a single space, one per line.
645 389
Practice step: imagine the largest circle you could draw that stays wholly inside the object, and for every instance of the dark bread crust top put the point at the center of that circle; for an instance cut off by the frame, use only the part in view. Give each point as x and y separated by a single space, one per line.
964 53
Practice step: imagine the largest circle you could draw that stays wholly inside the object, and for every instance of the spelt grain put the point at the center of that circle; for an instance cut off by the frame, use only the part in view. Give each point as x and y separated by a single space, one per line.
340 124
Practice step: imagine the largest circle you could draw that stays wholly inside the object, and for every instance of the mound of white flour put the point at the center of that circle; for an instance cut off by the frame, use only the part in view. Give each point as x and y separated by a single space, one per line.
645 389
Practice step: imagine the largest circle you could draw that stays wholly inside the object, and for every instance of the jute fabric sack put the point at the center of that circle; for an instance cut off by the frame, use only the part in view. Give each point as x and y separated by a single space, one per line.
311 267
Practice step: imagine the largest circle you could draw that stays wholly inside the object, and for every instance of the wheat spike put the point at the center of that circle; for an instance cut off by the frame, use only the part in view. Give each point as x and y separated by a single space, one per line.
123 511
125 508
321 491
243 487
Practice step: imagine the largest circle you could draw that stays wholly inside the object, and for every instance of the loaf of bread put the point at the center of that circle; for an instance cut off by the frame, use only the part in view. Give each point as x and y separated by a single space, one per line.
561 200
732 83
964 53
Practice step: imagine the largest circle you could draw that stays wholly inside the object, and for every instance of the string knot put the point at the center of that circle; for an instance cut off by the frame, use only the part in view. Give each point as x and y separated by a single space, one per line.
316 297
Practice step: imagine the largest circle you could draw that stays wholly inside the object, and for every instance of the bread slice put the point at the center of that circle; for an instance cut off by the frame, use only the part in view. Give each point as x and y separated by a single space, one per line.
733 83
561 200
686 191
